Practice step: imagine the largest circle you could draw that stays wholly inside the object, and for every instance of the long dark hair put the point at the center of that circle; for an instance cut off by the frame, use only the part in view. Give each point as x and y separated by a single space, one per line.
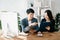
49 13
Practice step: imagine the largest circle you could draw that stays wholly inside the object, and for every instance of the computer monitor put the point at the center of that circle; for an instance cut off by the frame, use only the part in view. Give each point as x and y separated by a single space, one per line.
9 23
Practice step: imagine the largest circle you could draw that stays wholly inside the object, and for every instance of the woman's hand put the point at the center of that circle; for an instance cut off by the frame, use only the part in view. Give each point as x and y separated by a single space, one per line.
48 28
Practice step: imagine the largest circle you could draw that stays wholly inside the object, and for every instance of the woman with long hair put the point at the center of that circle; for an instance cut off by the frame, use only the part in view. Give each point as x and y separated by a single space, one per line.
47 24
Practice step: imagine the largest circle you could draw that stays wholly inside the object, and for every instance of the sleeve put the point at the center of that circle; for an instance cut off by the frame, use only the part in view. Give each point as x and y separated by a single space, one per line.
35 20
22 24
52 22
44 24
52 25
25 28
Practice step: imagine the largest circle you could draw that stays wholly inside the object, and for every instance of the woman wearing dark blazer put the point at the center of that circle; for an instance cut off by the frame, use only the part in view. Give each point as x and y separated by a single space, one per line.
47 24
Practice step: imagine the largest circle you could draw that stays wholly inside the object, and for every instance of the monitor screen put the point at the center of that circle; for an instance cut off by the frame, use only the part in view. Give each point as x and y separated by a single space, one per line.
9 23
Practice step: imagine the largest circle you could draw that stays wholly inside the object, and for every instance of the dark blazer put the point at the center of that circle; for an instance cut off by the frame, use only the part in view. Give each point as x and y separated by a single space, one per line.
44 24
24 22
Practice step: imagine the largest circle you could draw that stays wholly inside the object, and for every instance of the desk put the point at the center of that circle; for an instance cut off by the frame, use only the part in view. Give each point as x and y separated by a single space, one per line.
46 36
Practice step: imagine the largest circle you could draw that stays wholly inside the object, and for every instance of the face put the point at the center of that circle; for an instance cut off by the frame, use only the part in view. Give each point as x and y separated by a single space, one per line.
30 15
46 16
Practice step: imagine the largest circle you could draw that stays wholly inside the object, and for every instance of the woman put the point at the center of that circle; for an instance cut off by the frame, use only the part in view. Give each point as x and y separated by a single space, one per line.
47 24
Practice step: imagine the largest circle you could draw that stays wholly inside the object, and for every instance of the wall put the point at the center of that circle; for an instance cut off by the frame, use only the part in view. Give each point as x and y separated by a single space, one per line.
55 6
21 6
